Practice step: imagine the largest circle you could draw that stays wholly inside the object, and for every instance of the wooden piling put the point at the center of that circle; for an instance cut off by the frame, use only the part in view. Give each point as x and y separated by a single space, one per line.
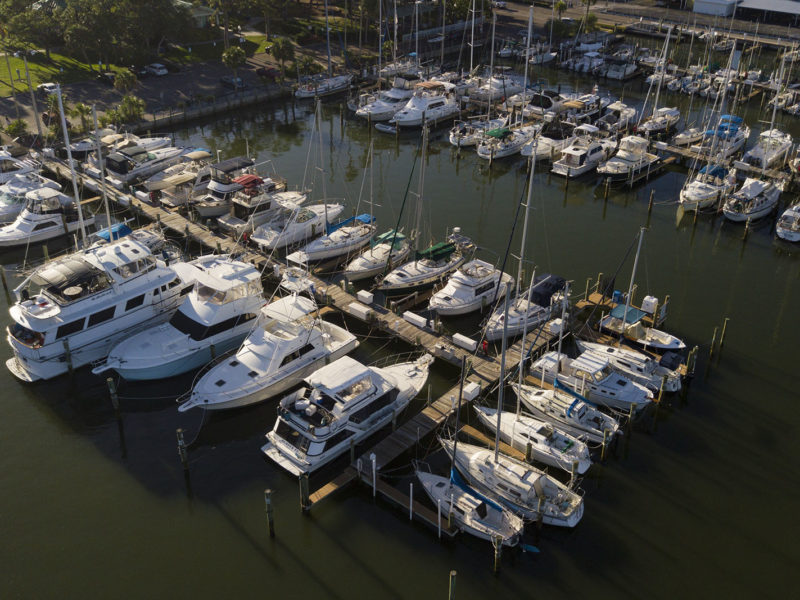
529 452
451 592
604 447
722 335
182 453
629 424
68 357
112 392
372 459
5 284
746 229
270 515
46 253
713 341
305 502
650 204
497 542
411 501
606 188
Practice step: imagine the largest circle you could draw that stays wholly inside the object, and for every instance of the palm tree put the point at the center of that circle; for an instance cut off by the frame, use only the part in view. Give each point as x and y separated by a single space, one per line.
125 81
560 8
283 50
82 112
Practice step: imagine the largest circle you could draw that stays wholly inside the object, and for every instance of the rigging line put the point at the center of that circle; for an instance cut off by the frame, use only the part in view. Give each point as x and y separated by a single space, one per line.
508 246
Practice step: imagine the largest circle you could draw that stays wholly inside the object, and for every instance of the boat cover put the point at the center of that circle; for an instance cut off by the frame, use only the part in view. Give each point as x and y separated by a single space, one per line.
234 164
365 218
118 230
439 251
499 133
634 315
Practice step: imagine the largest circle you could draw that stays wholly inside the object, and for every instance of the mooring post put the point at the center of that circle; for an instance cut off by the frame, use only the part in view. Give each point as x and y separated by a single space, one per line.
411 501
498 544
184 455
46 253
539 512
528 452
68 357
305 501
451 593
439 516
270 515
213 350
372 459
650 204
746 229
352 451
605 190
5 284
604 447
573 473
630 418
713 341
112 391
722 335
450 514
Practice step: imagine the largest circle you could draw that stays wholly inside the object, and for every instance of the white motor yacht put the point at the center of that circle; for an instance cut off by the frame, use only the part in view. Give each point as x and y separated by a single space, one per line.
338 405
383 105
11 166
496 87
621 70
549 444
711 184
771 151
586 108
214 318
474 286
636 366
250 210
584 154
503 141
529 309
47 214
227 177
754 199
472 513
788 225
295 225
568 412
70 312
431 103
689 136
541 102
12 193
194 167
593 378
286 344
324 86
342 239
520 487
124 167
552 139
630 161
662 121
617 118
388 249
430 266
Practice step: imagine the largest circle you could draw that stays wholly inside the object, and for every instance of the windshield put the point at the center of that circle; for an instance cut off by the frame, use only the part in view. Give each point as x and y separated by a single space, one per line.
209 294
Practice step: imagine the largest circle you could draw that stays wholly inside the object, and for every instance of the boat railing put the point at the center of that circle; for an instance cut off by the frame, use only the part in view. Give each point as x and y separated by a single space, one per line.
205 369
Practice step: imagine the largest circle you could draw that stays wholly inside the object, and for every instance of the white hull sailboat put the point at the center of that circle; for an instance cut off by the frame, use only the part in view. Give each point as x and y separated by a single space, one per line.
387 250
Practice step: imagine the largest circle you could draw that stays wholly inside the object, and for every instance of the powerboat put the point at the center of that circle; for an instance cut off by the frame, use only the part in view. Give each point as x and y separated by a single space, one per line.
429 267
251 210
386 250
432 102
788 225
12 193
636 366
552 139
636 332
284 345
294 225
227 177
755 199
568 412
593 378
584 154
584 109
541 102
711 184
324 86
383 105
518 486
630 161
11 166
124 167
549 444
618 117
192 175
71 311
472 512
496 87
529 309
342 239
662 121
47 214
214 318
472 287
770 151
339 405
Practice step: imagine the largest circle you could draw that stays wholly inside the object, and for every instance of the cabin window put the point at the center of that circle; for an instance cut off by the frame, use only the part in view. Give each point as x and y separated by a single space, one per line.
292 436
484 288
134 302
186 290
374 406
70 328
46 225
297 354
163 288
337 439
156 292
102 316
32 339
174 282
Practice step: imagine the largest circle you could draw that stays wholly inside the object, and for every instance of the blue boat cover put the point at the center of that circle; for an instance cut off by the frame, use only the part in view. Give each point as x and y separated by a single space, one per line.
118 230
634 315
560 386
714 171
730 118
364 218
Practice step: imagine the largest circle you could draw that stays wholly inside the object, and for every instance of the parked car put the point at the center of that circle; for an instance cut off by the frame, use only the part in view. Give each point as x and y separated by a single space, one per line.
171 65
107 77
233 83
47 88
499 4
268 72
156 69
140 72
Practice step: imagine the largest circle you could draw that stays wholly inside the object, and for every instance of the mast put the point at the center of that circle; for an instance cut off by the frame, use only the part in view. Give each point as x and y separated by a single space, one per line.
525 79
663 72
561 331
71 165
421 186
552 20
502 379
416 32
380 39
472 38
394 46
102 172
444 14
519 270
321 162
491 70
328 37
630 287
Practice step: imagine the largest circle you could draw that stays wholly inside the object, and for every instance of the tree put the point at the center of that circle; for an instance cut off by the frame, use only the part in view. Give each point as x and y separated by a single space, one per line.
308 66
560 8
233 58
17 128
40 28
283 50
125 81
131 109
590 22
82 112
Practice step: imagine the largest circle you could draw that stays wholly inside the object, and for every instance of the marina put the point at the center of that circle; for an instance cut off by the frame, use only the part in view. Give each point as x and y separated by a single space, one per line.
687 421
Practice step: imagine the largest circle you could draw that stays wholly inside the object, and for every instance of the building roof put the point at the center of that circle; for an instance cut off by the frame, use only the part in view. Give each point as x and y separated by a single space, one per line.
782 6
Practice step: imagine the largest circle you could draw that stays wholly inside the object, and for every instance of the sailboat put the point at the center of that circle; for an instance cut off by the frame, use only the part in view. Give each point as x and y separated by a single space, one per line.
662 120
326 86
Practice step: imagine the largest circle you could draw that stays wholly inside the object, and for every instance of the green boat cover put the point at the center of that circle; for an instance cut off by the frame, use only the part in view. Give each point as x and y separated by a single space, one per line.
439 251
499 133
390 237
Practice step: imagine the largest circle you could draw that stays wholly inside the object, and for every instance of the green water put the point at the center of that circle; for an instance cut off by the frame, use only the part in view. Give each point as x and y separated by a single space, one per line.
699 503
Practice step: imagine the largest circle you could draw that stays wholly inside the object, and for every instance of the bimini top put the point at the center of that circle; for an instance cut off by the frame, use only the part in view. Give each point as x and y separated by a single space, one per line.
345 378
714 171
730 119
233 164
634 315
544 286
364 219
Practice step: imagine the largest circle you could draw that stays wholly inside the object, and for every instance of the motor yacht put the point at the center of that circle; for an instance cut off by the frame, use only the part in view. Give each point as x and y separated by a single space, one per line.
12 193
11 166
474 286
324 86
227 177
630 161
788 225
431 103
383 105
47 214
125 167
618 117
584 153
637 366
251 209
661 122
771 151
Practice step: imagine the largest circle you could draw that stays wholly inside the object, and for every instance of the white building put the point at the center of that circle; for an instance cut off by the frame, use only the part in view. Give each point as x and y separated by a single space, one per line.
723 8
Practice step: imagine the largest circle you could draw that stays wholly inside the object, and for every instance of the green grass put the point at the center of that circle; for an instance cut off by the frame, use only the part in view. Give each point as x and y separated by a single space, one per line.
59 69
203 52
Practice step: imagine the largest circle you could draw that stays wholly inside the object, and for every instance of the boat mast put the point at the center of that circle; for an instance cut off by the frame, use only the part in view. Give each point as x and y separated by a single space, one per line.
564 303
630 287
472 38
525 79
394 46
380 39
500 392
552 20
102 172
444 14
321 162
519 271
663 72
328 37
416 32
491 71
418 216
71 165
